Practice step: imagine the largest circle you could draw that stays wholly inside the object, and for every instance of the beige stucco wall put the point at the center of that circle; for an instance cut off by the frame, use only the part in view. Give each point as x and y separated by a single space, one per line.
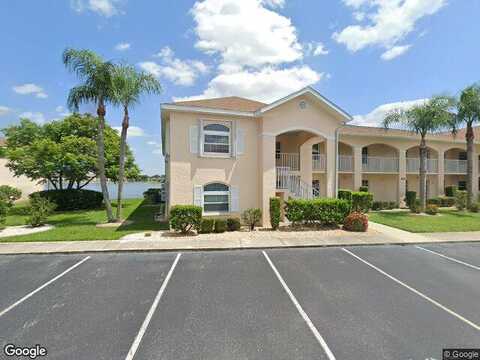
22 182
432 184
187 170
383 186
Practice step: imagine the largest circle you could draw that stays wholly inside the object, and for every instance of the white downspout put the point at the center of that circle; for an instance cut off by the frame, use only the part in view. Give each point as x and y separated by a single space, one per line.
337 133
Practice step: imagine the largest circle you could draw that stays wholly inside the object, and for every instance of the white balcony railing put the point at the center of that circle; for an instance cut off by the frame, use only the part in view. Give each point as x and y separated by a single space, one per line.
379 164
288 160
455 166
294 184
319 162
413 165
345 163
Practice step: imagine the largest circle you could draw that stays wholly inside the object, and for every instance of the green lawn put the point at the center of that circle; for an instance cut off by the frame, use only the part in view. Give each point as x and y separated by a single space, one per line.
446 221
80 225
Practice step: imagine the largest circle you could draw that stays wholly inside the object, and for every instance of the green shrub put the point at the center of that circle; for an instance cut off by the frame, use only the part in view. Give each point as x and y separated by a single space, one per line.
233 224
66 200
363 189
447 201
392 205
345 195
153 195
206 226
3 213
252 217
410 198
275 212
185 218
473 208
10 194
434 201
362 201
450 190
416 207
377 205
40 209
461 199
322 211
220 226
356 221
431 209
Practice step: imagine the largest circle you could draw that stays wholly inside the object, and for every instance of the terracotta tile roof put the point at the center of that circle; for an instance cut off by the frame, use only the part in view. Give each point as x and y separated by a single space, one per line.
233 103
462 132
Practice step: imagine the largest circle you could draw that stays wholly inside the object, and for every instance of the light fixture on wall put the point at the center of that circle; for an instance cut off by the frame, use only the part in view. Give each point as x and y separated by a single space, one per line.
302 104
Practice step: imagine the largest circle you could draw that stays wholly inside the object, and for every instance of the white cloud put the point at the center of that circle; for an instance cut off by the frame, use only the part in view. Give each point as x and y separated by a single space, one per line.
180 72
122 46
390 21
133 131
4 110
37 117
152 143
246 34
394 52
315 49
376 116
62 111
27 89
267 84
107 8
157 152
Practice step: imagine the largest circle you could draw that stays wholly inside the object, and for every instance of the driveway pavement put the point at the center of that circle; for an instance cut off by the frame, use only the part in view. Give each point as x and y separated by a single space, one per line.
371 302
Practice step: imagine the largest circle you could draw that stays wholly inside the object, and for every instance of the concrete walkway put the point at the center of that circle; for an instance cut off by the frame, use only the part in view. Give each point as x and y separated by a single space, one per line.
165 241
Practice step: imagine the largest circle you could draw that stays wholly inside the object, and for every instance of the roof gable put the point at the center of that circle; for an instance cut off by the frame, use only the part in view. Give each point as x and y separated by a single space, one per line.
233 103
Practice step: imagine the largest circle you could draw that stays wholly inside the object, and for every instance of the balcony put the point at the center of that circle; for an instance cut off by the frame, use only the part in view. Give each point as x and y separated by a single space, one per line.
413 165
455 166
319 162
345 163
376 164
288 160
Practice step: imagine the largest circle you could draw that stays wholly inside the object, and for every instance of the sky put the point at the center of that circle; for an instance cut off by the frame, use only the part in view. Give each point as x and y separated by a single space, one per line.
367 56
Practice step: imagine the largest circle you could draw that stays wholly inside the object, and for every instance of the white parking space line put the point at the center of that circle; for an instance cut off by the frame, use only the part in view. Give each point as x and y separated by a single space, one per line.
415 291
29 295
148 318
304 315
448 257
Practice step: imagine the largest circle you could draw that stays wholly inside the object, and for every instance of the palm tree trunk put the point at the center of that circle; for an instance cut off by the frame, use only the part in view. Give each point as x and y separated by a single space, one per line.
470 151
423 174
121 170
101 159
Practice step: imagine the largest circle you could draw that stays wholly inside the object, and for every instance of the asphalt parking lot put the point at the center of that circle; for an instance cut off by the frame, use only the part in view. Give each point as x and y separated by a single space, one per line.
382 302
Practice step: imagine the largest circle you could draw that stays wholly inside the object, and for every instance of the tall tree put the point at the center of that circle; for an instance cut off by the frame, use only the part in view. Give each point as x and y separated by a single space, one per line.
423 119
468 113
129 85
97 77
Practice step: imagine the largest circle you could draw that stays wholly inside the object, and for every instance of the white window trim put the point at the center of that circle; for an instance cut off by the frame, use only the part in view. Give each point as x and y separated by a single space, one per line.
231 138
216 193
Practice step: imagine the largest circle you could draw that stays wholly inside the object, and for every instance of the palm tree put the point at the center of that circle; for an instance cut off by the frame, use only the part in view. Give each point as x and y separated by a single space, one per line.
429 117
97 87
468 113
129 85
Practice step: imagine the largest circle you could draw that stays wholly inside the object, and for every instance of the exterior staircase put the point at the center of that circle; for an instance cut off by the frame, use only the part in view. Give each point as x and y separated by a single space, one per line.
294 185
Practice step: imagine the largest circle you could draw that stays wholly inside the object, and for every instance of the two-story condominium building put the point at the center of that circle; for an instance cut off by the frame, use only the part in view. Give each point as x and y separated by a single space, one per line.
230 154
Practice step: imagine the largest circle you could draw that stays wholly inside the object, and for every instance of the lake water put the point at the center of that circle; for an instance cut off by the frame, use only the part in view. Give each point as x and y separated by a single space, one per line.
131 190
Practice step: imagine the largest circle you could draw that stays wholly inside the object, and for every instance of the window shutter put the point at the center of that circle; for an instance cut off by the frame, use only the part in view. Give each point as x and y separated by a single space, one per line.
240 141
234 199
198 195
194 136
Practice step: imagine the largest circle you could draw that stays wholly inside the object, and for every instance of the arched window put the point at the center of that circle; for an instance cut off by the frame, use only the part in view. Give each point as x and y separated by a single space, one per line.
216 197
216 138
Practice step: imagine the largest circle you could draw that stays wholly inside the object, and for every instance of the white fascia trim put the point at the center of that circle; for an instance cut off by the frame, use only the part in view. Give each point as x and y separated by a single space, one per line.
205 110
306 90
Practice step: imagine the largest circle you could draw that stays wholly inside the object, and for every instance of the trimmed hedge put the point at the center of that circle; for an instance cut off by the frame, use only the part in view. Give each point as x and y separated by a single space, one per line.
450 190
361 201
442 201
384 205
410 198
206 226
363 189
275 212
66 200
345 194
233 224
185 218
322 211
356 221
431 209
220 226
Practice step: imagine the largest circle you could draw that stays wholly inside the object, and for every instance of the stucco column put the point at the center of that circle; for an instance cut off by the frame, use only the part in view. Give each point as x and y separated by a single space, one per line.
441 173
268 175
357 167
475 174
402 176
306 166
331 168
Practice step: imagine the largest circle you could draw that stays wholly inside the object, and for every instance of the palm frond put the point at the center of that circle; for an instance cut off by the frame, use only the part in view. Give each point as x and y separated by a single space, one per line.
81 95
